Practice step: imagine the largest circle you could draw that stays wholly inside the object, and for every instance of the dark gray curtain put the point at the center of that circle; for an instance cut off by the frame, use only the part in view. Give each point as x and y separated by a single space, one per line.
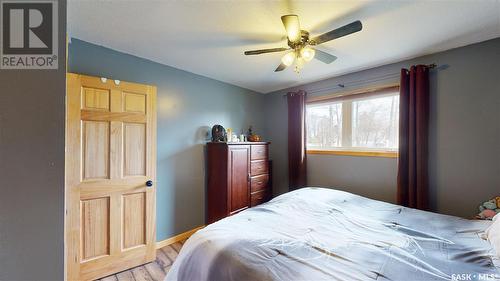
413 138
297 157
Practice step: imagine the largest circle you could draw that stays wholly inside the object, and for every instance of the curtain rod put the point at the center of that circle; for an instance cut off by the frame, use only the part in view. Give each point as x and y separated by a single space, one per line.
361 82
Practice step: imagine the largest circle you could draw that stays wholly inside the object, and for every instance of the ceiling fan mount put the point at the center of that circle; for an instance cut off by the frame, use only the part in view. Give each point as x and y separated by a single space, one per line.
304 40
299 43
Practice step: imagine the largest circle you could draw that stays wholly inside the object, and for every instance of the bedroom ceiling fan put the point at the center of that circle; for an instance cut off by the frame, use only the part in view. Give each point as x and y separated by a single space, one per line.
300 44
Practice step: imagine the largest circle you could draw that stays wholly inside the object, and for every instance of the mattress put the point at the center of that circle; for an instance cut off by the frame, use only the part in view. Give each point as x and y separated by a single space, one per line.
326 234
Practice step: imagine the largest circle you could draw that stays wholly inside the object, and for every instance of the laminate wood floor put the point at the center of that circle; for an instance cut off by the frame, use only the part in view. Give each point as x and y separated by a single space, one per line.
153 271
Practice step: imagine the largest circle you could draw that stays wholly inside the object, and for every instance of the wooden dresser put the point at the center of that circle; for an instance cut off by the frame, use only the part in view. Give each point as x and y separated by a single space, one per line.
238 177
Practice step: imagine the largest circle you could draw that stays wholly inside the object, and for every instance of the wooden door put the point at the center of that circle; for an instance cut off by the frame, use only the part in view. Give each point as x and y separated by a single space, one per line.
239 175
110 157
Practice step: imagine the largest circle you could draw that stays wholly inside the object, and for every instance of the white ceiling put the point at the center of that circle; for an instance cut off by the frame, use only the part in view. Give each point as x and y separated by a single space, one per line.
209 37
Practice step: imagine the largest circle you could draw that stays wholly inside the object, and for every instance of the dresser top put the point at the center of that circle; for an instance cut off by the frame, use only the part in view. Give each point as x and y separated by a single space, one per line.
241 143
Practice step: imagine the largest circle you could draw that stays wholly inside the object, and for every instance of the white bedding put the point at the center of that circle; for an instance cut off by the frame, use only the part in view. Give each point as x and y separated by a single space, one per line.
325 234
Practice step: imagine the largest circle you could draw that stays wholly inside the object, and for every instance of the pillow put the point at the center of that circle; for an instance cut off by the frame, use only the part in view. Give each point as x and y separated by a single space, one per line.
493 234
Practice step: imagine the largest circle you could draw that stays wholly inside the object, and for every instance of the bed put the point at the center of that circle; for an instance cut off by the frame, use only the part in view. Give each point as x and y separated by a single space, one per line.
326 234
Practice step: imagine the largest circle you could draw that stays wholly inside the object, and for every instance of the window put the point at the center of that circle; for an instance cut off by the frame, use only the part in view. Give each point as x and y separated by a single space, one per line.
362 122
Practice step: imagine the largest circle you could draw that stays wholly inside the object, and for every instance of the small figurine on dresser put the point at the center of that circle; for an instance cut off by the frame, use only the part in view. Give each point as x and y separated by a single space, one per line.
219 134
488 209
251 136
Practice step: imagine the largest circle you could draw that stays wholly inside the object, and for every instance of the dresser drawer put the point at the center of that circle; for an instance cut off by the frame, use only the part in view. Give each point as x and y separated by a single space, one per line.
258 152
259 167
258 198
258 183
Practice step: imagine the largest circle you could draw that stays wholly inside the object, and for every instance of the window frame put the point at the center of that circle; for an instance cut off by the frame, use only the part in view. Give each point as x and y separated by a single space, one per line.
347 98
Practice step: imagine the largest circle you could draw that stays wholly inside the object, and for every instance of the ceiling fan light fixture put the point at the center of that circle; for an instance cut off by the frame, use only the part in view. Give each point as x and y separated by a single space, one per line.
288 58
294 36
307 53
300 62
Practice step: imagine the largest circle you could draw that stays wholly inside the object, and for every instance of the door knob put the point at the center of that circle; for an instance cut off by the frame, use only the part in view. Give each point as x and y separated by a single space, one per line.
149 183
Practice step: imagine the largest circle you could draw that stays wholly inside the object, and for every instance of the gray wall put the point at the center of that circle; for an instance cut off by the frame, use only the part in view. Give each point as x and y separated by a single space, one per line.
32 169
464 132
372 177
188 105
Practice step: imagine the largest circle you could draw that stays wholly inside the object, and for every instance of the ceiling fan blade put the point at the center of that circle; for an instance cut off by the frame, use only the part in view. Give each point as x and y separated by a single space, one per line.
337 33
324 56
292 26
280 67
263 51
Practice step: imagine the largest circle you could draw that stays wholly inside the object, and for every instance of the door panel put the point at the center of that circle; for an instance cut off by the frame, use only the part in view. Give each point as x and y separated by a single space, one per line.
110 154
134 102
239 168
95 99
134 220
95 228
134 149
95 143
